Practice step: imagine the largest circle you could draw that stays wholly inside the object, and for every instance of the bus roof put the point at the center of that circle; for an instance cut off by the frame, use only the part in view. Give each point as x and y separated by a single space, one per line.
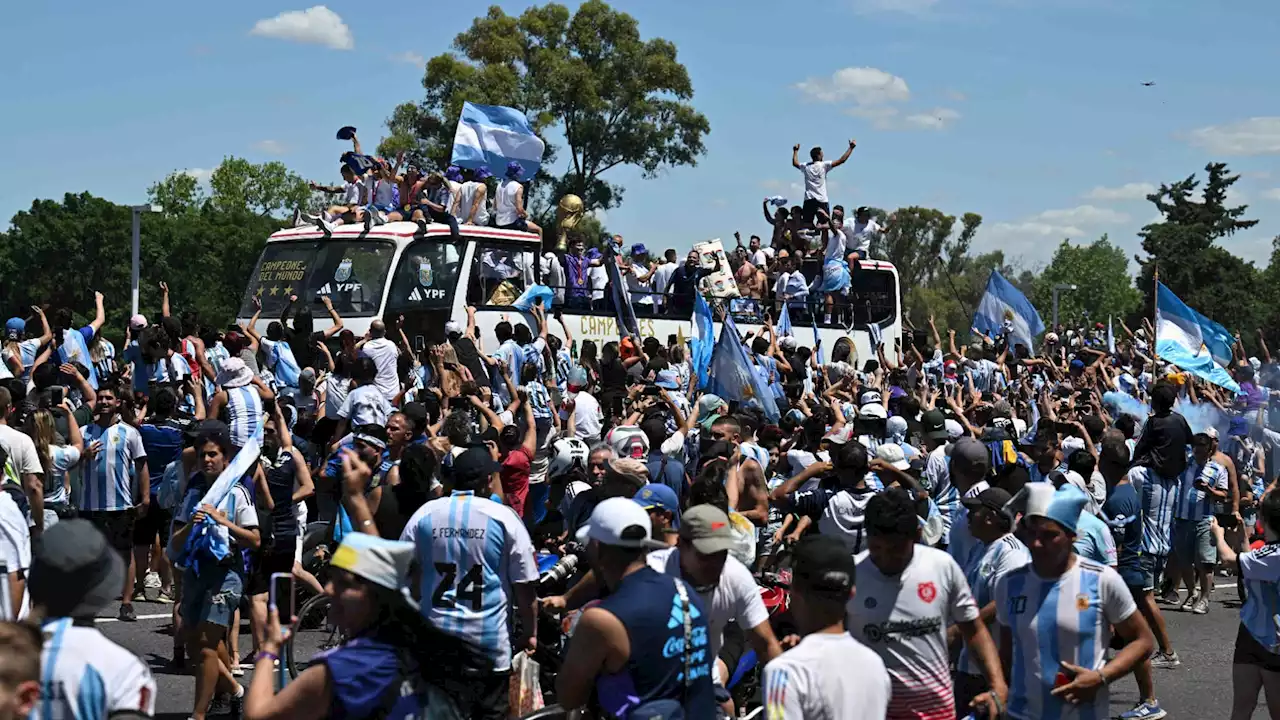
400 231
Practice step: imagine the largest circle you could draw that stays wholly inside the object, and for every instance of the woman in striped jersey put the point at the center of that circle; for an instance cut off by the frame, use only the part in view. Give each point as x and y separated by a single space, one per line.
1256 663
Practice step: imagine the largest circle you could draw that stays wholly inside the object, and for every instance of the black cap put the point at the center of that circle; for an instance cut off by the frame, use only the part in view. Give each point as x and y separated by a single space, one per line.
933 424
823 563
74 572
992 498
417 414
474 463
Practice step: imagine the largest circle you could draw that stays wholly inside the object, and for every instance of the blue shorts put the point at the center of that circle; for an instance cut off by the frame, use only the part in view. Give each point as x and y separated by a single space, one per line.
210 597
1193 542
520 224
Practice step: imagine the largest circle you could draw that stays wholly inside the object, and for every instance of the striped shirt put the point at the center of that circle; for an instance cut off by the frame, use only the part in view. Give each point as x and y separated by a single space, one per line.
904 619
539 400
472 551
937 479
244 414
1159 495
109 476
61 459
1260 573
85 676
1000 558
1056 620
1194 503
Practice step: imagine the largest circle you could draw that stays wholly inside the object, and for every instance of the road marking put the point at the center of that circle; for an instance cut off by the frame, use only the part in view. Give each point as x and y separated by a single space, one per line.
156 616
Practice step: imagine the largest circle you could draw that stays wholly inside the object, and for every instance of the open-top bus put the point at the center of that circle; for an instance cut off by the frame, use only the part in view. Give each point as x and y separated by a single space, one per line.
420 273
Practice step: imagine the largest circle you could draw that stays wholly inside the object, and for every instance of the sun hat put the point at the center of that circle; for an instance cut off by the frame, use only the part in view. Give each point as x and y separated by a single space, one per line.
514 169
234 374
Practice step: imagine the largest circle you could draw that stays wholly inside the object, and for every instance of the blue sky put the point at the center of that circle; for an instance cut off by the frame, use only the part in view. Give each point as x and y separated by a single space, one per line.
1029 112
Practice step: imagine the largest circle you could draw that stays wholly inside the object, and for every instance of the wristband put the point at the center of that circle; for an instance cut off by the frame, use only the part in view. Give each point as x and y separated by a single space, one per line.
265 655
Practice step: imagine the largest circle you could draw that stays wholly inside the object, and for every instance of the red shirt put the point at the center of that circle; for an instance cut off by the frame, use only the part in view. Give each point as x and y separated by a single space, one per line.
515 478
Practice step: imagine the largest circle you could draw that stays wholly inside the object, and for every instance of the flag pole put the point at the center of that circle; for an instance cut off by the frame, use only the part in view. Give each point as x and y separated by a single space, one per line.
1155 320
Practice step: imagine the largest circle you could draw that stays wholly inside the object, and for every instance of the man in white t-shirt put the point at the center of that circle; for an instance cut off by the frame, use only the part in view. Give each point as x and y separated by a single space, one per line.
829 675
907 596
384 353
21 472
662 276
815 178
588 419
858 234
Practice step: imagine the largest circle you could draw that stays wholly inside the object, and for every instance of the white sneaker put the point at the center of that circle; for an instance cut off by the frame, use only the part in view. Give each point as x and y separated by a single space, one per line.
152 581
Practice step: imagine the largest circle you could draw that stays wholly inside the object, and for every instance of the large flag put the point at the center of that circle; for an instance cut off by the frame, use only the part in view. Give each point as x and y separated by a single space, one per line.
704 341
1180 339
531 295
1005 310
208 540
625 314
1111 337
784 322
493 135
733 376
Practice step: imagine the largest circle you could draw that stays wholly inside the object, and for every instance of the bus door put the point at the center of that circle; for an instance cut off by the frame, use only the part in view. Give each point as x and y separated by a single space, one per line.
422 289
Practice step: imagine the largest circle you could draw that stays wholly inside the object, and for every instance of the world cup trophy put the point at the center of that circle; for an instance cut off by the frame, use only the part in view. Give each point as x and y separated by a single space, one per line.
568 215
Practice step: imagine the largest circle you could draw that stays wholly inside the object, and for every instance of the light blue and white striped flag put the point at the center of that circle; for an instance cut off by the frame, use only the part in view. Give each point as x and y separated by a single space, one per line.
1180 339
784 322
1003 303
494 135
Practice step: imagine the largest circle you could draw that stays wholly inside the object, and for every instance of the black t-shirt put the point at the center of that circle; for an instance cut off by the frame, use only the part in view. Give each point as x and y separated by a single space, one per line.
613 376
1163 445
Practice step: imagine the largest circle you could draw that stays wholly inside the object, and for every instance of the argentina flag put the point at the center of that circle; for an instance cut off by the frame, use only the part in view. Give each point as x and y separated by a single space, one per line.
493 135
1181 339
1005 310
732 376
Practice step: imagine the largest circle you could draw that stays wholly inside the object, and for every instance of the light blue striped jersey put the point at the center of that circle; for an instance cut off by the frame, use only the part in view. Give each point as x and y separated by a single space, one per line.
1260 573
27 350
539 400
216 355
1193 503
61 459
85 676
937 479
472 551
965 549
281 362
1056 620
511 354
109 476
244 414
1094 541
998 559
1159 496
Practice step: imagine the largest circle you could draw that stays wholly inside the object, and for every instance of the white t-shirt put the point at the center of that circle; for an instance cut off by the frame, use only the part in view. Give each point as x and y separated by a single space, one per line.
904 619
835 248
760 258
80 665
662 277
815 180
504 205
237 505
638 288
365 406
736 598
587 417
858 235
1090 599
599 278
384 353
553 275
336 389
23 459
827 677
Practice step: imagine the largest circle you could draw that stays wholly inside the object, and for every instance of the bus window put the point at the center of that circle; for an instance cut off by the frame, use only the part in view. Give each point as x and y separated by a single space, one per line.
425 278
502 272
875 289
350 273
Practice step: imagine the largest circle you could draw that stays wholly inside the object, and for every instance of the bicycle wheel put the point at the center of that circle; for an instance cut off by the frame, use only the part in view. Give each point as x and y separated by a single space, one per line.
312 633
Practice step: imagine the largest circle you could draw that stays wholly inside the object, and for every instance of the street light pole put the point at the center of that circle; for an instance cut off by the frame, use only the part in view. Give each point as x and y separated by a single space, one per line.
137 247
1056 289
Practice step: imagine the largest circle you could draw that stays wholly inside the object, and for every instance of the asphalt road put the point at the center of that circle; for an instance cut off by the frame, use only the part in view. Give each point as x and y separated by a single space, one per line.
1200 688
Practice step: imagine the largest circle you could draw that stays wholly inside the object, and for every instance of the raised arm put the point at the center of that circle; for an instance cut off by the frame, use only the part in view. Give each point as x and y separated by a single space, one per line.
100 313
164 299
795 157
845 156
333 315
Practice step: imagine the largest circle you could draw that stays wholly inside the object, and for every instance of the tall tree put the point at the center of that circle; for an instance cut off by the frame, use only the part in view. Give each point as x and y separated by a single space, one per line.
917 237
178 193
266 189
1101 272
618 99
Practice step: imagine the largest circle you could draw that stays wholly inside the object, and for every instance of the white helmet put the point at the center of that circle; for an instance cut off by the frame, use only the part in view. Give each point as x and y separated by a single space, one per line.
567 454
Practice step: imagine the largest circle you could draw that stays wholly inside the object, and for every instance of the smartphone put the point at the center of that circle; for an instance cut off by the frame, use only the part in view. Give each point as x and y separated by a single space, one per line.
56 395
281 596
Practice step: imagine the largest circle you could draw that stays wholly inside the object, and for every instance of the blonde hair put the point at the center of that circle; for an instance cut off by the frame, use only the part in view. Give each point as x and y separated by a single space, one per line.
42 432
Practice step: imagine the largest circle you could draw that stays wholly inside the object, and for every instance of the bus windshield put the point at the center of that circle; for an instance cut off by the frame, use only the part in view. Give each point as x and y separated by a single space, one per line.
351 273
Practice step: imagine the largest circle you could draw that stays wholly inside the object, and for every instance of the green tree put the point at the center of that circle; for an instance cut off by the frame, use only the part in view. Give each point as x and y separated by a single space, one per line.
1183 246
915 239
1100 271
267 189
618 99
178 193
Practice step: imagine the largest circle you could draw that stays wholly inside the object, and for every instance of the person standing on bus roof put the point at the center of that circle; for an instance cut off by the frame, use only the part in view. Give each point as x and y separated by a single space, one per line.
384 354
508 208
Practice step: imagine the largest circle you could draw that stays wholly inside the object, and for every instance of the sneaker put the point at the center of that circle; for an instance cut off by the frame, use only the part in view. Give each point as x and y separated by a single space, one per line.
1189 603
237 671
235 704
152 581
1170 597
140 596
220 704
127 614
165 597
1201 607
1150 710
1165 661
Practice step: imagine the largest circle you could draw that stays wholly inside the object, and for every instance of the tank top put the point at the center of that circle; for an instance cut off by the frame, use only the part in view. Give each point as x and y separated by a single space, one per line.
647 603
504 209
466 198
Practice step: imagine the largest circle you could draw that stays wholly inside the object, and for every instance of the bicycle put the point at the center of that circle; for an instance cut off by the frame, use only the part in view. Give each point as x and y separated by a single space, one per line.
311 634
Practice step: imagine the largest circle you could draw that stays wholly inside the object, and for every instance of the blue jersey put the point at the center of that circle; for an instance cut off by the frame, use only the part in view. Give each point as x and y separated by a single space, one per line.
1057 620
1194 503
109 476
85 676
1159 496
1094 541
244 414
1260 573
998 559
472 551
162 439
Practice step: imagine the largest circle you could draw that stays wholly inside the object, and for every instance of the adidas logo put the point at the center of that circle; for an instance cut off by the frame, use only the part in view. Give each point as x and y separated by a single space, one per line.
326 290
415 295
677 613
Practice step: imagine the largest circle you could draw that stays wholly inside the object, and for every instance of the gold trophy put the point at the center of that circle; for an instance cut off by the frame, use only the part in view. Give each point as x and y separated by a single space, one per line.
568 215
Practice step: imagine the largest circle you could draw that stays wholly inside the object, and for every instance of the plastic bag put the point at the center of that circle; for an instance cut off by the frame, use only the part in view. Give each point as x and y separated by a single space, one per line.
525 690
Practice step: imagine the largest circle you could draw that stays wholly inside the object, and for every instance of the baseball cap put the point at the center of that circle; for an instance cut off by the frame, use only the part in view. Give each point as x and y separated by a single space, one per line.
627 470
708 528
874 411
668 380
954 429
384 563
1062 505
628 441
893 454
137 322
934 425
788 343
970 452
619 522
839 436
662 497
992 498
870 396
14 327
473 463
453 327
74 572
1209 432
823 563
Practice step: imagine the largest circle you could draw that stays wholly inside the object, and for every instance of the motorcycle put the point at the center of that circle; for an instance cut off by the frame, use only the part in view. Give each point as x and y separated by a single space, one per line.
775 591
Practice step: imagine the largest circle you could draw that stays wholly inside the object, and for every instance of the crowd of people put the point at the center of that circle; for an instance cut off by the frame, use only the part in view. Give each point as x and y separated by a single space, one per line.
981 527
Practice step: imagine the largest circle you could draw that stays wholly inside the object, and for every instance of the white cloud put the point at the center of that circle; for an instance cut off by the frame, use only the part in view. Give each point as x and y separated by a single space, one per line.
862 85
781 186
936 119
316 25
269 147
1083 215
1031 234
910 7
200 174
882 117
957 96
1272 194
1128 191
410 57
1255 136
600 215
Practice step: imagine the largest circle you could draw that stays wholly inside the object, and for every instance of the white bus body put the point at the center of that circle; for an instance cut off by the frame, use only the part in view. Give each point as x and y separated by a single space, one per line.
397 270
